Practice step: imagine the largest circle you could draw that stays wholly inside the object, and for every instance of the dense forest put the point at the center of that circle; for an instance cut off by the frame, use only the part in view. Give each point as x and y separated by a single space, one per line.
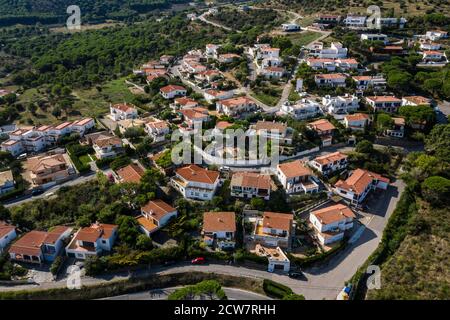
90 57
52 11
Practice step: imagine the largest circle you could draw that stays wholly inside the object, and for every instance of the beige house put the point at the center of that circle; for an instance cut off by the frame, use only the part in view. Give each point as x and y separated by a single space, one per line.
47 169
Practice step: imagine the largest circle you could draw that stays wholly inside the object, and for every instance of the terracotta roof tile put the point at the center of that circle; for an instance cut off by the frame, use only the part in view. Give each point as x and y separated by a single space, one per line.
219 221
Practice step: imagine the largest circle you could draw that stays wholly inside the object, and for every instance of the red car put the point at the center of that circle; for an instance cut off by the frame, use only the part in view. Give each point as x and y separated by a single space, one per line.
199 260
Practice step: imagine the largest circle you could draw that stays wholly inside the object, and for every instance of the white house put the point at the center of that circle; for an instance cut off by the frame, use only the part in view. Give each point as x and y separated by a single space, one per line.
335 51
433 55
272 72
296 177
321 63
7 182
355 21
301 110
212 95
172 91
277 259
398 128
272 130
330 80
219 229
416 101
330 163
183 103
83 125
357 121
377 83
211 50
340 104
122 111
228 57
157 129
274 229
93 240
155 215
236 106
330 223
7 234
250 184
107 147
324 129
194 182
429 45
384 103
375 37
436 35
358 185
289 27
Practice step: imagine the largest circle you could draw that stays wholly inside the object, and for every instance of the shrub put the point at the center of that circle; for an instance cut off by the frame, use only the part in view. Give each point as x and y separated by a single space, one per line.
276 290
54 268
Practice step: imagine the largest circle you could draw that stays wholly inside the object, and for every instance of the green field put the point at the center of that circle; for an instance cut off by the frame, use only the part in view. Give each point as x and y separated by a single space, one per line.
303 38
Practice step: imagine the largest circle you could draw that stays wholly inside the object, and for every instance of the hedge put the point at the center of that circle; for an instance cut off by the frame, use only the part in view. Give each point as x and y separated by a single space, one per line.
304 262
276 290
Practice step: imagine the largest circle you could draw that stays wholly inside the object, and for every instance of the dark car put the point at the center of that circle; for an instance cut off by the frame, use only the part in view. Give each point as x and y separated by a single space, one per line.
296 275
37 192
199 260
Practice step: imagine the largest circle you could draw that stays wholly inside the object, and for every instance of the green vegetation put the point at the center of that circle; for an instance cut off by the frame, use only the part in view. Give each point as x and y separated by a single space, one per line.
279 291
413 250
303 38
46 11
241 20
210 288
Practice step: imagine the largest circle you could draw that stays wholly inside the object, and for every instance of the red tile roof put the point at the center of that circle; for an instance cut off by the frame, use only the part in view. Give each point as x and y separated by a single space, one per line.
131 173
157 209
219 221
276 220
197 174
333 214
294 169
359 180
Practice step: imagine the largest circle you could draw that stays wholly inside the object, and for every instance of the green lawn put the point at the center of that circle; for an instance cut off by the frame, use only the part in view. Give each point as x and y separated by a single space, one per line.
85 159
268 99
303 38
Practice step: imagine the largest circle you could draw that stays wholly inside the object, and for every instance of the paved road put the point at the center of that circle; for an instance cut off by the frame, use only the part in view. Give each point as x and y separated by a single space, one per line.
162 294
27 198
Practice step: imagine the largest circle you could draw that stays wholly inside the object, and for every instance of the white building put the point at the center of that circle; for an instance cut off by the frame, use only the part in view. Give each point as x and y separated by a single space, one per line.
289 27
250 184
157 129
194 182
330 80
436 35
416 101
375 37
277 259
340 104
274 229
358 185
335 51
172 91
355 21
272 130
330 223
155 215
275 73
213 95
296 177
91 241
107 147
219 229
122 111
212 50
236 106
357 121
377 83
301 110
388 104
330 163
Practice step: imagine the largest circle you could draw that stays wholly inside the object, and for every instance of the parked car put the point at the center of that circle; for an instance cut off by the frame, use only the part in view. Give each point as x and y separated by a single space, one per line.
36 192
199 260
296 275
